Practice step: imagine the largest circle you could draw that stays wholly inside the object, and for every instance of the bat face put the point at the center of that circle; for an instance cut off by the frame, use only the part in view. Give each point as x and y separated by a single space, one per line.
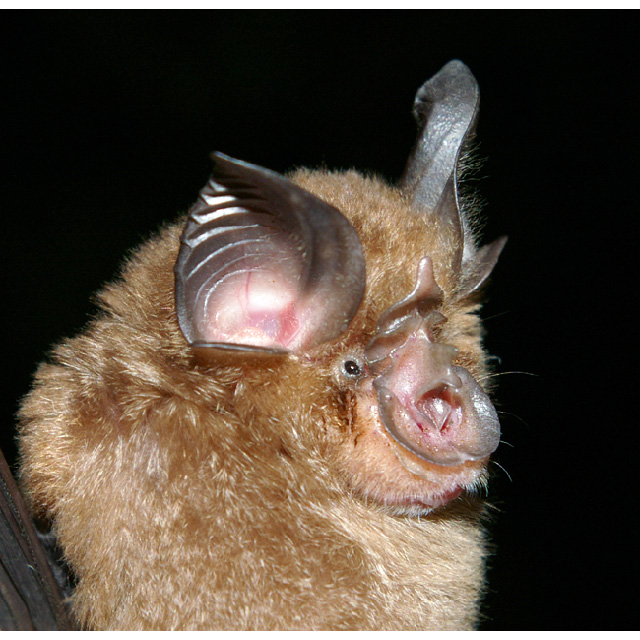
269 380
409 426
267 270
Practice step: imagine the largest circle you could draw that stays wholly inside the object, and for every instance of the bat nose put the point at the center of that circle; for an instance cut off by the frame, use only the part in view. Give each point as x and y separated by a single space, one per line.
440 409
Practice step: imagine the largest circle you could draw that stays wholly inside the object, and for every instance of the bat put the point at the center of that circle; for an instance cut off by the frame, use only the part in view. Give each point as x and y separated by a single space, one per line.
279 418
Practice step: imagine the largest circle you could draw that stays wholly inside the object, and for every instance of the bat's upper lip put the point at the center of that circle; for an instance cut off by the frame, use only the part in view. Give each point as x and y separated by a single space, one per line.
419 466
443 483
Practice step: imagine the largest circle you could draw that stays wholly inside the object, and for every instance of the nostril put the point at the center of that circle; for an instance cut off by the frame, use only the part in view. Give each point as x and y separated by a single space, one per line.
441 409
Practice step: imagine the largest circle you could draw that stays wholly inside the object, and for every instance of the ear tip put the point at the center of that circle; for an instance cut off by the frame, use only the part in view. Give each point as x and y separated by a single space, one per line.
218 158
493 248
456 68
453 81
499 243
455 65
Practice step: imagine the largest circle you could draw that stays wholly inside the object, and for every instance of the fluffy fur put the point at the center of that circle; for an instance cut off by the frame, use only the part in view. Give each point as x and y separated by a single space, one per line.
249 494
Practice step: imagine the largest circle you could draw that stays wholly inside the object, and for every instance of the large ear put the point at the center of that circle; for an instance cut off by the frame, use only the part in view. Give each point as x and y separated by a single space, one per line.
264 266
446 109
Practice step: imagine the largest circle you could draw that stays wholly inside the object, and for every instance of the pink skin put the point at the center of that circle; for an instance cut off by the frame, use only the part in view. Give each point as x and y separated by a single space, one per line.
433 409
382 469
253 308
422 411
436 419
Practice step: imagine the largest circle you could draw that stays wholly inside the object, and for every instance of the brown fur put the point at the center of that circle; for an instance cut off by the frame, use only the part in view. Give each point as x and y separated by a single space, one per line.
248 495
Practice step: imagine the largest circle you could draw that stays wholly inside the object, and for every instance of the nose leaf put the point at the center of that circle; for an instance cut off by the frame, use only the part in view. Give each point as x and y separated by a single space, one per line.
430 407
438 410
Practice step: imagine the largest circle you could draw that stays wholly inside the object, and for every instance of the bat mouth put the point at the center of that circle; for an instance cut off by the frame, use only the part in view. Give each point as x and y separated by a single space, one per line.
437 501
424 498
407 477
442 484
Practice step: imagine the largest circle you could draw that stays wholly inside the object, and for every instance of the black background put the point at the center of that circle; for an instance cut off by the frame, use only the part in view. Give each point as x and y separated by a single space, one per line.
108 121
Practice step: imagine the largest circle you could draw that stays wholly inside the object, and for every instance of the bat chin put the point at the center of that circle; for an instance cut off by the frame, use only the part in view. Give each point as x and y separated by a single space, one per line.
420 505
419 496
383 471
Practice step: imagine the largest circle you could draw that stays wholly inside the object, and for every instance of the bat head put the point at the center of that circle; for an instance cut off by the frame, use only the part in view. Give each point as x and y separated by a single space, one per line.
270 377
345 310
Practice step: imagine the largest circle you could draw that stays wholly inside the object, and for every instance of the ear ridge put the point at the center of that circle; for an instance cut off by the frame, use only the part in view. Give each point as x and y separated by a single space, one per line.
265 265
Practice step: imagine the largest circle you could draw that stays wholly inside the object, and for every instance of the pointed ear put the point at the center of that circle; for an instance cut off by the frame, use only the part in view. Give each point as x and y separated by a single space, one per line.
446 109
479 268
264 266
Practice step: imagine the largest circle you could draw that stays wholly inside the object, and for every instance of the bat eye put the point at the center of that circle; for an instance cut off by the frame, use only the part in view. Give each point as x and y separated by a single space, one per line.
351 368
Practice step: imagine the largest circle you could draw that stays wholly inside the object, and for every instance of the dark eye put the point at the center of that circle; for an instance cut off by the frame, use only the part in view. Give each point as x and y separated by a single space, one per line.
351 368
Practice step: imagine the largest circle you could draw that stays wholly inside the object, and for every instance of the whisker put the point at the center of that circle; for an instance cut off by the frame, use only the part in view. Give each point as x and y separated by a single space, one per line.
507 373
513 415
496 315
503 469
